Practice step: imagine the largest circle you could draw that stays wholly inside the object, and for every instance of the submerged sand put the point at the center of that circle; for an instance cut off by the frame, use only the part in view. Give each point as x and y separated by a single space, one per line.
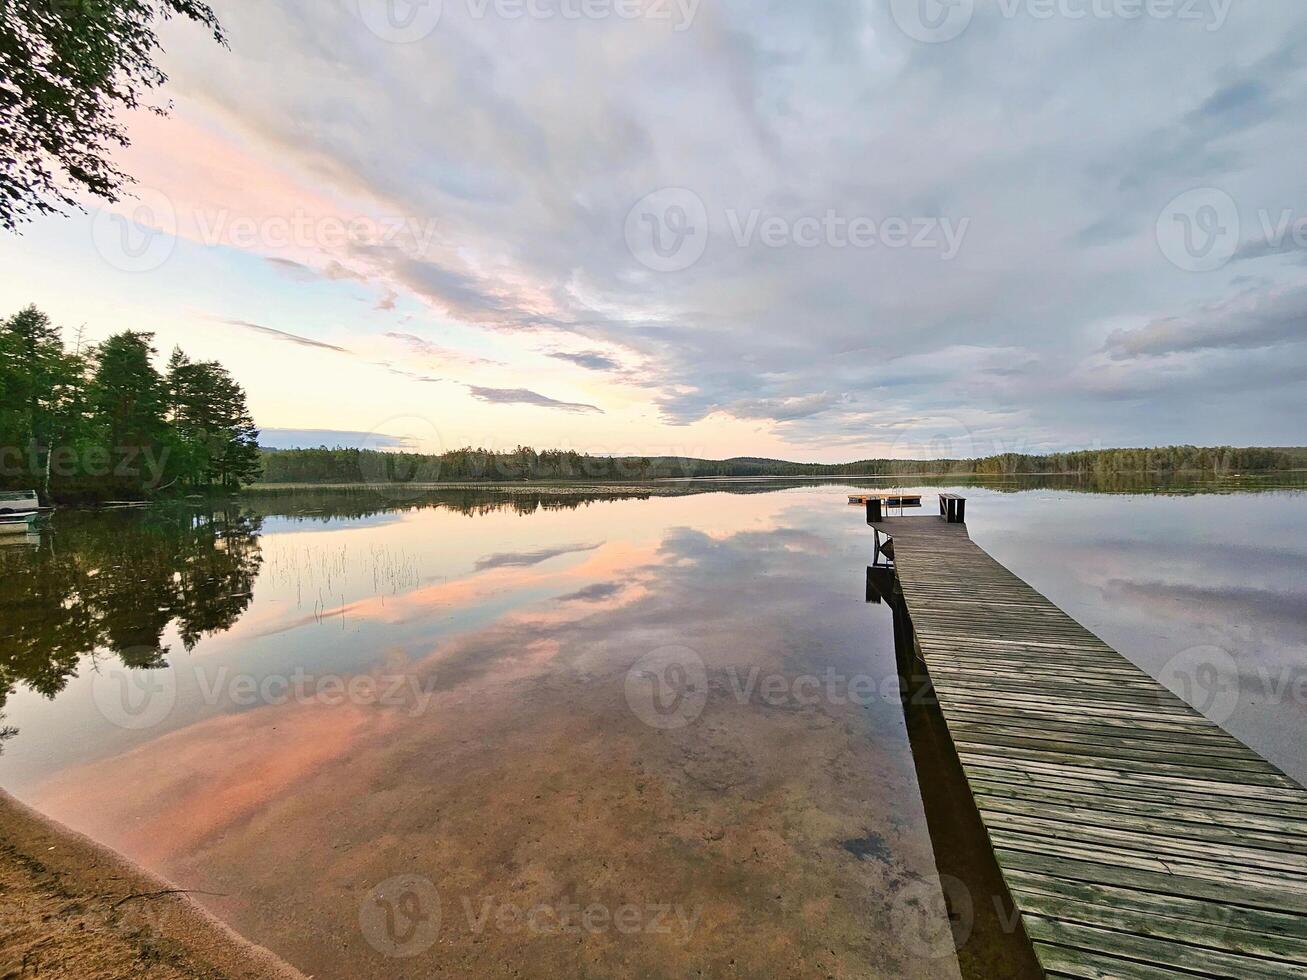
72 908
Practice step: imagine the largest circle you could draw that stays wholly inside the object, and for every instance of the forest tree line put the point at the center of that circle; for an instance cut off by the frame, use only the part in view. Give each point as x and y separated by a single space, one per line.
102 422
347 466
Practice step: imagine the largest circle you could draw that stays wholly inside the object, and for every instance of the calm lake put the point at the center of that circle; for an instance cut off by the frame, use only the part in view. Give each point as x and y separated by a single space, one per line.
539 733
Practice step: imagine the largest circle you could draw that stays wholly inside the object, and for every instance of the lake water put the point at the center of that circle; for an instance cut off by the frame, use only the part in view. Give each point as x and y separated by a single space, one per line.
541 734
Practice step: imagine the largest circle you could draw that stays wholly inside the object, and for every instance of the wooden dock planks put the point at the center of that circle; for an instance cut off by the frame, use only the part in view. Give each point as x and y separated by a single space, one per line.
1137 838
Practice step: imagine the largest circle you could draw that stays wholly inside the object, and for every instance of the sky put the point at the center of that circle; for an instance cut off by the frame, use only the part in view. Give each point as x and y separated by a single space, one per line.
819 231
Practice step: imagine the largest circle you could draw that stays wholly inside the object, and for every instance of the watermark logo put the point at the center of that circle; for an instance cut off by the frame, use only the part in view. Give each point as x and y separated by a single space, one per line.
1281 233
834 230
1207 678
1198 231
667 688
936 21
401 916
401 21
667 231
932 21
407 21
568 917
915 918
140 698
834 688
146 465
939 437
679 13
1211 14
401 456
141 235
302 229
135 698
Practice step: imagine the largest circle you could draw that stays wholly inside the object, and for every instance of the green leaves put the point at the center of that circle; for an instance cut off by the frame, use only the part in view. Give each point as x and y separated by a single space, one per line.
67 70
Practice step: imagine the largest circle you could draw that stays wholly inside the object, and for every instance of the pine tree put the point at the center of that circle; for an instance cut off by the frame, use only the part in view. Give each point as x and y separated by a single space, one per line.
235 458
41 388
215 435
127 399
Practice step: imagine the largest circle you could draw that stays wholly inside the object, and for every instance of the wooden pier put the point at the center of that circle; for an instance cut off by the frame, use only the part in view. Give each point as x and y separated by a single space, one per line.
1137 838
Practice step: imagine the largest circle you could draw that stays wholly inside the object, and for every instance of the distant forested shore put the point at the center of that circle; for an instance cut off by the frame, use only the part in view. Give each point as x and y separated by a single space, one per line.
102 422
347 466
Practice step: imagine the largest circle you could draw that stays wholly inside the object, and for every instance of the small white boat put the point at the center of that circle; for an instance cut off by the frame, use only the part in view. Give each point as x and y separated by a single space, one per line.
17 511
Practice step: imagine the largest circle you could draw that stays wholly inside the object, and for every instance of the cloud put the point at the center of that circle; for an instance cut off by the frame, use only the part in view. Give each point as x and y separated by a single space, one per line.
333 270
1246 99
590 360
405 373
525 559
1280 610
457 292
337 271
289 337
593 593
530 146
523 396
294 270
784 409
426 348
1252 319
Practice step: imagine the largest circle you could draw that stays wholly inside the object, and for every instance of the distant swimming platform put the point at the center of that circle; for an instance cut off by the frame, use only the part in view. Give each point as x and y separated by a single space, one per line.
886 499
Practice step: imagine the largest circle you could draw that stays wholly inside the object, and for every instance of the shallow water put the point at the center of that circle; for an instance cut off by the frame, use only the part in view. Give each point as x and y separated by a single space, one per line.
538 735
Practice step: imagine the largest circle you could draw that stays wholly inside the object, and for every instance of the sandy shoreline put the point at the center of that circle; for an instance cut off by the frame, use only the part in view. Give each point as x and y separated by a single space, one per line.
72 908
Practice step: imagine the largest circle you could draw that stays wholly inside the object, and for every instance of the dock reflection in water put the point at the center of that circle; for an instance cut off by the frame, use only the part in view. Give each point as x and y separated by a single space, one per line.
985 927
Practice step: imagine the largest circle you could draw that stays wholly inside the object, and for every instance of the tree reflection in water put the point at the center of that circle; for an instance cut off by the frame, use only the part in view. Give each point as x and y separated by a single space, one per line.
112 582
96 583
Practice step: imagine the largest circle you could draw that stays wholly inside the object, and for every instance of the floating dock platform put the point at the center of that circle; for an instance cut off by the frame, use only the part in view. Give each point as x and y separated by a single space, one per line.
887 499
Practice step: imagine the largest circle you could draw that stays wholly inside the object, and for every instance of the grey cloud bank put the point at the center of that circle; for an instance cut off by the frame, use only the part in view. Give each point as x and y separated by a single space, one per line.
1049 143
524 396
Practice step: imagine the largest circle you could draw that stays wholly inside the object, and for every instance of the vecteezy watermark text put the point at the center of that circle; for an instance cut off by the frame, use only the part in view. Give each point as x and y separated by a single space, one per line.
834 230
1209 679
403 916
1201 230
408 21
937 21
140 698
145 463
679 13
141 234
668 230
831 687
302 229
570 917
668 688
